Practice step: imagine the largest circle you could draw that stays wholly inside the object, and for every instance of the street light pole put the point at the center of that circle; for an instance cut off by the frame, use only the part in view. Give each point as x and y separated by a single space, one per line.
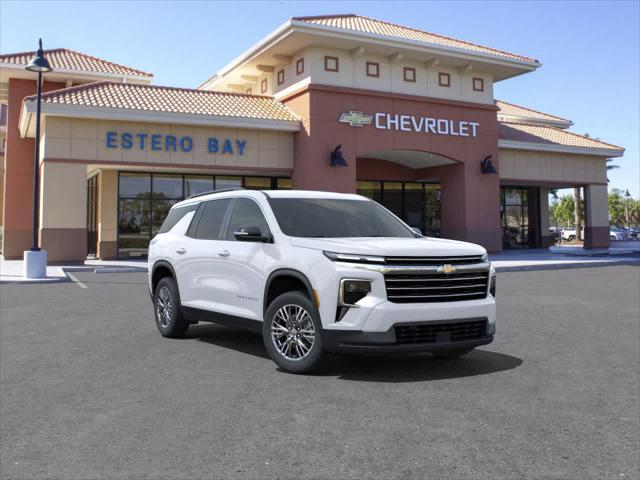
626 208
35 260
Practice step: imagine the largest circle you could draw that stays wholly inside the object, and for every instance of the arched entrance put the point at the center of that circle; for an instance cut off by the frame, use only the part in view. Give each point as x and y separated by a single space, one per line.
407 183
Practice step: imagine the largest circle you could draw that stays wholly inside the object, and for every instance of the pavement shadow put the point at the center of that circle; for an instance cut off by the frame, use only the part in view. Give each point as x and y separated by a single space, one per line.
369 368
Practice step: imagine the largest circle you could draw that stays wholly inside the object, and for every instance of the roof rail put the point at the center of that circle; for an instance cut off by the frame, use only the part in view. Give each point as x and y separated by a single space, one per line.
209 192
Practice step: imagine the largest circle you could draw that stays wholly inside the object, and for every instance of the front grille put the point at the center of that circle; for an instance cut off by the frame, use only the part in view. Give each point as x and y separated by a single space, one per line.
441 333
406 287
433 261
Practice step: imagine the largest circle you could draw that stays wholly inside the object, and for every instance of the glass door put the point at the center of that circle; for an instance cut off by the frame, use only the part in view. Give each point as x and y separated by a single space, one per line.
92 216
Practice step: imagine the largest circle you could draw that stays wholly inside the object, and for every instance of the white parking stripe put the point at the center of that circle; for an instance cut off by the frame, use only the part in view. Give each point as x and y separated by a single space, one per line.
75 280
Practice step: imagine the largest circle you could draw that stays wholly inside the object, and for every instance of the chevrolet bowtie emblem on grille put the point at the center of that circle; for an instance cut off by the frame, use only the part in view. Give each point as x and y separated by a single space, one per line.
446 269
356 119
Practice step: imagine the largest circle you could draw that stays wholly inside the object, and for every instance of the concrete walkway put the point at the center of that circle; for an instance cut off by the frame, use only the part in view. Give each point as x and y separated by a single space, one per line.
507 261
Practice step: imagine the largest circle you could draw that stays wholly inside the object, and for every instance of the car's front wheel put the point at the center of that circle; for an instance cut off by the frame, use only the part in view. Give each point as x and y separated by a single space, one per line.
166 306
291 333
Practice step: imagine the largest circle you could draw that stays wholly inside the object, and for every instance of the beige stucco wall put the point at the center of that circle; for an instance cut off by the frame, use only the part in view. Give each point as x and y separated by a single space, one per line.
63 196
552 167
597 211
81 139
108 206
352 73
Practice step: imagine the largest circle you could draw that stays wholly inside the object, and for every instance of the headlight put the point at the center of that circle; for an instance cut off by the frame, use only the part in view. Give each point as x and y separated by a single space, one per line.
353 258
492 285
352 291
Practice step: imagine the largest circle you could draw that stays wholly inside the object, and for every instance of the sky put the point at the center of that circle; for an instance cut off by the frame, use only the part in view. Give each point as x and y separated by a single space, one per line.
590 51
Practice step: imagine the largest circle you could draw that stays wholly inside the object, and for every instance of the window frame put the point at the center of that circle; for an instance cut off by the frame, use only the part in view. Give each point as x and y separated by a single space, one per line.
300 66
264 85
480 81
407 70
377 67
280 76
441 77
327 59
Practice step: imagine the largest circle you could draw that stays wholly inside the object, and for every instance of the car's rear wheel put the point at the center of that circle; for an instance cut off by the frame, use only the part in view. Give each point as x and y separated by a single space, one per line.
452 352
291 333
166 306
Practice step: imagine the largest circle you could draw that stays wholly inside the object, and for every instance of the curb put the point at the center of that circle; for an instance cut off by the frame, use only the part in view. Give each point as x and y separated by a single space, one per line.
566 266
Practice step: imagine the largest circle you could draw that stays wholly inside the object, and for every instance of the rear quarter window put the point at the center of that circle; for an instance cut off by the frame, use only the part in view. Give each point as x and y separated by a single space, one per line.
175 215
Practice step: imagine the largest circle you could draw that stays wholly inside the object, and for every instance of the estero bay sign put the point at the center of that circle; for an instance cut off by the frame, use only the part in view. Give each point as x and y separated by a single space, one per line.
411 123
171 143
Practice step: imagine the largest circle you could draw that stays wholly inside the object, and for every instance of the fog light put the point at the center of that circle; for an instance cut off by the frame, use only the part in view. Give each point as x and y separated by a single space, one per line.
352 291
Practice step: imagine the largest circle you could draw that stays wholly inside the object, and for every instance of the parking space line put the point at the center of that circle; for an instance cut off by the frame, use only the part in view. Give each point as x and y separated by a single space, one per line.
75 280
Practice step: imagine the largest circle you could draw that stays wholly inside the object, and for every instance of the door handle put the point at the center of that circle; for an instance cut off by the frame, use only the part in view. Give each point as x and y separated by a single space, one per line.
224 253
181 251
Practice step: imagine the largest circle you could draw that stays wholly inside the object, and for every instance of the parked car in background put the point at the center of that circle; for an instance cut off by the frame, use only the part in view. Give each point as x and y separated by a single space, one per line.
569 234
618 234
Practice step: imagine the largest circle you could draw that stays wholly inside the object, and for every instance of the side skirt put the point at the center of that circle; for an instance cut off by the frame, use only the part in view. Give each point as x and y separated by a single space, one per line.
199 315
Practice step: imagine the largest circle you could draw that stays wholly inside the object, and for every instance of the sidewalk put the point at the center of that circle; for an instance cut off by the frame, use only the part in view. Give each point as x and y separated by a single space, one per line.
507 261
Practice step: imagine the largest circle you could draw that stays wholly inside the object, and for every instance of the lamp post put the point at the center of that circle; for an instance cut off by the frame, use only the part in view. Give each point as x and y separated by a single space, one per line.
626 208
35 260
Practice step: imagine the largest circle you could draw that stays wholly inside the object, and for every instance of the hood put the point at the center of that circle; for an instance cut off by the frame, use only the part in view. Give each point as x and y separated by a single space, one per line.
393 246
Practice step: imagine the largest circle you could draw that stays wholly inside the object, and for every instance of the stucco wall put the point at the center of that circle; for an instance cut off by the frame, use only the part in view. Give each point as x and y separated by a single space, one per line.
551 167
85 140
352 73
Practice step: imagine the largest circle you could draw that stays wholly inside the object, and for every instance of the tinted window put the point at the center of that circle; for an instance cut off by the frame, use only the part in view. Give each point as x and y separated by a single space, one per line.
211 219
246 213
316 217
175 215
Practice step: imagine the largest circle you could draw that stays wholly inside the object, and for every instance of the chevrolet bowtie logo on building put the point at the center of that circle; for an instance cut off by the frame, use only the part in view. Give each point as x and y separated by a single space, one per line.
356 119
447 269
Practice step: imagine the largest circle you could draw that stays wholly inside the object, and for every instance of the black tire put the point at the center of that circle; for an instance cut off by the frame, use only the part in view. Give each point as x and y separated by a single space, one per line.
297 336
169 319
571 238
452 352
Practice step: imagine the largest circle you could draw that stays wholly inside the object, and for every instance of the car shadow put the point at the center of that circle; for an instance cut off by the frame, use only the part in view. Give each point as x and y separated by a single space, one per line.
369 368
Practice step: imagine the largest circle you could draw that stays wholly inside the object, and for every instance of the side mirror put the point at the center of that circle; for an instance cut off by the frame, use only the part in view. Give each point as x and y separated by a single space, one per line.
250 234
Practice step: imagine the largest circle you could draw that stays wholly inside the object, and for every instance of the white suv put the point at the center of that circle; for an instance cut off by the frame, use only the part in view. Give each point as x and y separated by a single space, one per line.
317 272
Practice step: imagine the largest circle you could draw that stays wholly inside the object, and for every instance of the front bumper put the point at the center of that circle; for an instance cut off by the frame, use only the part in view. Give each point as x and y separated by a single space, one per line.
358 341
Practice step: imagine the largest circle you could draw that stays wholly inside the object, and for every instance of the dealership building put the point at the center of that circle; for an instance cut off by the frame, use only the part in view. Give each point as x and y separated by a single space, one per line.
340 103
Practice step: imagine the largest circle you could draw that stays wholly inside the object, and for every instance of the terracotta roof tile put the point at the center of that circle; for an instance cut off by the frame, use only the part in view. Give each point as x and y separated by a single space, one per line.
517 132
513 110
65 59
379 27
153 98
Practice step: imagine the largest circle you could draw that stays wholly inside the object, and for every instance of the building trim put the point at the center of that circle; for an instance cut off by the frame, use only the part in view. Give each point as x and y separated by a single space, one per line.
215 169
523 182
129 115
376 93
66 72
295 26
533 121
544 147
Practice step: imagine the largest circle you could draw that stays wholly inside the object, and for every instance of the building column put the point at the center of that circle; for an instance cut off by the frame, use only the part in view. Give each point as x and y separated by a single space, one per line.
107 214
470 205
596 216
63 211
546 240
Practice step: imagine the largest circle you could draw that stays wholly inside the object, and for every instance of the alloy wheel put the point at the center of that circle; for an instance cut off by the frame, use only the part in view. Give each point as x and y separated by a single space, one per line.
164 306
292 332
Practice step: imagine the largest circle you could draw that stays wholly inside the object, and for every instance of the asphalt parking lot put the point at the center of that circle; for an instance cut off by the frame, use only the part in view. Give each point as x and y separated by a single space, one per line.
89 389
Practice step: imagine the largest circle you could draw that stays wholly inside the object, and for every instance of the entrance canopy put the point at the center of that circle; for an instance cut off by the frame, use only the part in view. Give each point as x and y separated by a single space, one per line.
410 158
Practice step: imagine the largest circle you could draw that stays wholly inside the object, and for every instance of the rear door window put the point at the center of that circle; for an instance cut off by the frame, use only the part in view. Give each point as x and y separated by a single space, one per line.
211 220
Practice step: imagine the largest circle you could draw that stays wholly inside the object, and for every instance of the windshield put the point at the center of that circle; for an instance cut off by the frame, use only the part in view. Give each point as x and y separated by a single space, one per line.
319 217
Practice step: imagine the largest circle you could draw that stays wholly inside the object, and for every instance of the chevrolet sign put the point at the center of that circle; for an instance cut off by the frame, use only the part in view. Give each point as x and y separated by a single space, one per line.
355 119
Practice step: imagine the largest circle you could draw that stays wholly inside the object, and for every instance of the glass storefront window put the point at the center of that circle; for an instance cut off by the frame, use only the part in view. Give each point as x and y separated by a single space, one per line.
135 184
392 197
257 183
372 190
145 200
228 182
195 184
284 184
519 219
414 204
167 186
